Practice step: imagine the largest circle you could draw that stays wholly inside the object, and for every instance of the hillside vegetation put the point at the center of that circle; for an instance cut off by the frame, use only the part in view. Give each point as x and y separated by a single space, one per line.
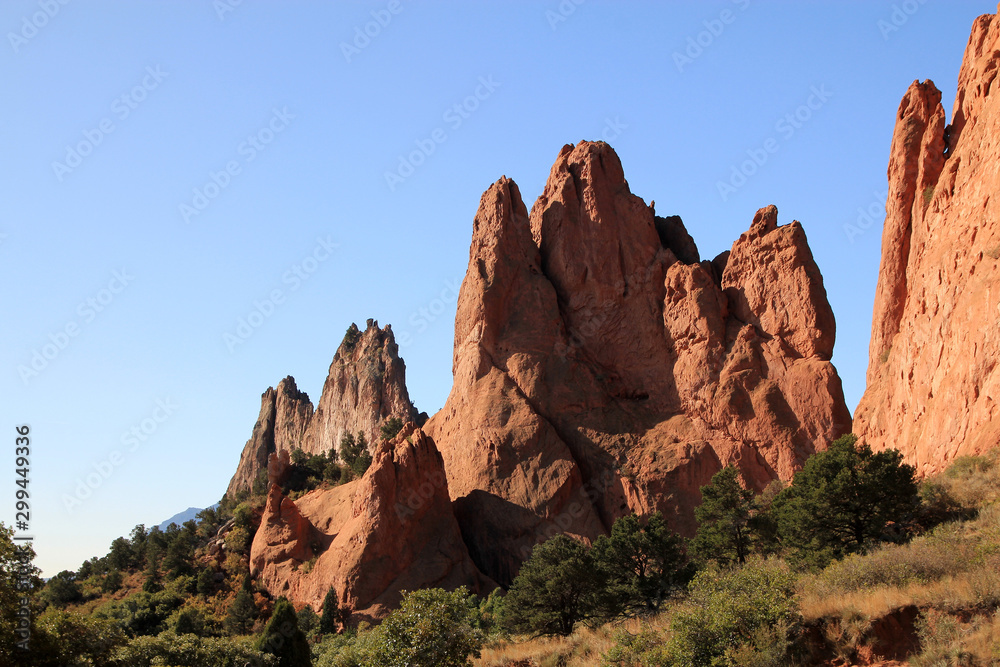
894 571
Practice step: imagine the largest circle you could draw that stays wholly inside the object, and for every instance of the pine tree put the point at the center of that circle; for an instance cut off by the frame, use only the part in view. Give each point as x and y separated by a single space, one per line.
332 613
843 499
283 639
242 613
643 564
556 587
724 520
206 581
152 583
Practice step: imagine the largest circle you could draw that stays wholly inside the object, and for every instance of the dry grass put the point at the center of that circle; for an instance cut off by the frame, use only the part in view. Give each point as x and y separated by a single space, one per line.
952 574
583 648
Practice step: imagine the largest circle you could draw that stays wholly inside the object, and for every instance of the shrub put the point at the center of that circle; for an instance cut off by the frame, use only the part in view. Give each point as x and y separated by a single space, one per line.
645 649
742 613
66 638
190 651
941 640
431 628
142 613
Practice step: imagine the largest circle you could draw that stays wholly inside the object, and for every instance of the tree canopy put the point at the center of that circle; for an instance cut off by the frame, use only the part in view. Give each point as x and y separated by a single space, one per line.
843 500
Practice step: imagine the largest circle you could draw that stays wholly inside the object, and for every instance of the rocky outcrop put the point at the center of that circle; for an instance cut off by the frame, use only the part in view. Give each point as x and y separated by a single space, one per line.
933 380
366 385
390 531
285 413
600 367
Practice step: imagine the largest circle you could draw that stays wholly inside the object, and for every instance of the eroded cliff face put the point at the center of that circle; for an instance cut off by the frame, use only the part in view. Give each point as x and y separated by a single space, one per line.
390 531
601 367
933 382
365 386
285 413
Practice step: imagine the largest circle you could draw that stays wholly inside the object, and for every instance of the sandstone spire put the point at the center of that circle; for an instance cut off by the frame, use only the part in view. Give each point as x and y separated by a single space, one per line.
933 380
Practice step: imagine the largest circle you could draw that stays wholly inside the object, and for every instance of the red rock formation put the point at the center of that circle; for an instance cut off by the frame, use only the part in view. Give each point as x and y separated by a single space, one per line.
284 414
365 386
933 380
600 368
390 531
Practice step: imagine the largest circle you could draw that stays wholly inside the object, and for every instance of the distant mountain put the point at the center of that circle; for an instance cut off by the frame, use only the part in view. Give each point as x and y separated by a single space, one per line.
181 517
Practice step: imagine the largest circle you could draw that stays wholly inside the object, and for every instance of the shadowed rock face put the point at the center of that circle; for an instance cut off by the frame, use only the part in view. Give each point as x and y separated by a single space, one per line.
933 383
366 385
601 368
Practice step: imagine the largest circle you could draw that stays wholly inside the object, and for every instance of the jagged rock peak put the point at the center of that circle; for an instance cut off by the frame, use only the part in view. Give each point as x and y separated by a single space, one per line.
285 414
365 385
600 367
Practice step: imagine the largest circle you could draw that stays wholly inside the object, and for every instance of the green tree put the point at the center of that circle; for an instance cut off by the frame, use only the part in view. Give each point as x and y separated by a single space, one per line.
62 589
137 540
121 556
152 584
724 520
180 553
188 621
67 638
556 587
18 578
390 427
354 452
333 615
431 628
643 565
242 613
112 581
308 620
283 639
842 501
206 581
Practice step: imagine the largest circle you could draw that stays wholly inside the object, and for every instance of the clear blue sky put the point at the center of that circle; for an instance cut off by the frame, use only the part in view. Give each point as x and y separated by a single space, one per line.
140 103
